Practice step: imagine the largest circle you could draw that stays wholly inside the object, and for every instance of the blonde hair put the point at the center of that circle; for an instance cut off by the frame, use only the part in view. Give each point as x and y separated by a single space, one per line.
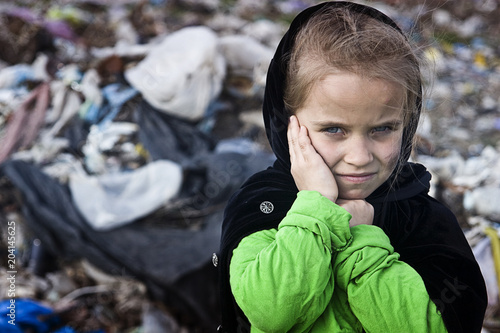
340 39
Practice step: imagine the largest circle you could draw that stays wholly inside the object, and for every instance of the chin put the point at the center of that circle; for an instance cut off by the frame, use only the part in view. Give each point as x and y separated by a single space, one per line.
354 194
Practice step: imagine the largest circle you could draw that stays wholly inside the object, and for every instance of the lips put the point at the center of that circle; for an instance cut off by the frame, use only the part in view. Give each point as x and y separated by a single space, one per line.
357 178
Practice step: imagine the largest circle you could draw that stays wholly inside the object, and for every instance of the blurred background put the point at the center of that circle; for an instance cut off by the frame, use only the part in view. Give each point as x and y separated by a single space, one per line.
126 125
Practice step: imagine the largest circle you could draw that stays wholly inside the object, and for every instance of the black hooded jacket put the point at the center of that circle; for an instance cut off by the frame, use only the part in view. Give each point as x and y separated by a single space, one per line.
425 233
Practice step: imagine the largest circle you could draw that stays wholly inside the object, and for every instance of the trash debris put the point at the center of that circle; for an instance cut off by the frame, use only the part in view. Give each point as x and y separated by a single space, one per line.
18 315
113 199
125 127
246 58
26 121
178 77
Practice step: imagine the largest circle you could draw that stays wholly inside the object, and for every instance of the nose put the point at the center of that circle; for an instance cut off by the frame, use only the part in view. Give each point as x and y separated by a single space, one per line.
358 151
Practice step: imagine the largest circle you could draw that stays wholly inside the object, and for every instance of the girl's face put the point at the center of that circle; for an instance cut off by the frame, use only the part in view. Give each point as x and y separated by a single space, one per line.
356 125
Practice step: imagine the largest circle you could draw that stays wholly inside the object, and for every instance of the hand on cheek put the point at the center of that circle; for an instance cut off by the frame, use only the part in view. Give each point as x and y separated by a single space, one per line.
308 168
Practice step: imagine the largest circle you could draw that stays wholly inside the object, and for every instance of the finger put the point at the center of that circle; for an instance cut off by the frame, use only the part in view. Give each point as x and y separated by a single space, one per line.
292 134
304 142
305 147
348 205
289 137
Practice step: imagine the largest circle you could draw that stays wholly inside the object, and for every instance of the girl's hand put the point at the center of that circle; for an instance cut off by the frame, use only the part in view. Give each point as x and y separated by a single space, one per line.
308 168
361 211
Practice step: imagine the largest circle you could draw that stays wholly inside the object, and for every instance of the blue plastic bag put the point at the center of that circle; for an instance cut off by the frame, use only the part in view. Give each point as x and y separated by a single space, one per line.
18 315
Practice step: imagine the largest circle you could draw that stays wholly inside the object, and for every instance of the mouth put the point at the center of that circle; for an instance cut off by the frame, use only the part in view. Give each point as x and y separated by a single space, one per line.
357 178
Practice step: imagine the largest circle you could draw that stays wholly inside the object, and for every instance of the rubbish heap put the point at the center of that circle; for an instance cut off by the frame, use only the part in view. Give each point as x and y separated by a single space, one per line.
126 125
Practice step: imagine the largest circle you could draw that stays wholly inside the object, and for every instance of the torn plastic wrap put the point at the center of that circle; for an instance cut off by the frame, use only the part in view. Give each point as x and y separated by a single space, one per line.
26 121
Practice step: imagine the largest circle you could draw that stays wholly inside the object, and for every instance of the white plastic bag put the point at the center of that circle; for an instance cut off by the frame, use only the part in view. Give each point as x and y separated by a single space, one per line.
114 199
183 74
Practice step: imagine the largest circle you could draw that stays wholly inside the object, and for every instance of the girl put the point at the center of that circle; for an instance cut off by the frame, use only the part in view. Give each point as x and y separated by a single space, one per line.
340 235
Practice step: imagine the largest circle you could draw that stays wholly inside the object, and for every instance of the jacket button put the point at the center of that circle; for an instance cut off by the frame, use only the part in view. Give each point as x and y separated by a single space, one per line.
266 207
215 259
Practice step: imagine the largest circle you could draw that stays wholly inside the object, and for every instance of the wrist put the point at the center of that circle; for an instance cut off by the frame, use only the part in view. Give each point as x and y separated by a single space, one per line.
332 198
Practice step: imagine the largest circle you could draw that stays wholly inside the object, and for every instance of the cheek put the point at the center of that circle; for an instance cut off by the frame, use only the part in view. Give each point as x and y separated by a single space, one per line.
390 153
327 149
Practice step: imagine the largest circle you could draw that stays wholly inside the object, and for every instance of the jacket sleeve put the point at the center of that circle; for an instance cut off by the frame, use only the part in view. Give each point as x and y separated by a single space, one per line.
283 279
385 294
435 246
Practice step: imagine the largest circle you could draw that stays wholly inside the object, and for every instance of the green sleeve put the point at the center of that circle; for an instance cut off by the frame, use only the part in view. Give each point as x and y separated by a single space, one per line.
283 279
385 294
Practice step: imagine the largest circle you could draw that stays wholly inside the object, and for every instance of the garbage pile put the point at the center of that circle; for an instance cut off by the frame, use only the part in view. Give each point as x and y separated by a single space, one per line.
126 125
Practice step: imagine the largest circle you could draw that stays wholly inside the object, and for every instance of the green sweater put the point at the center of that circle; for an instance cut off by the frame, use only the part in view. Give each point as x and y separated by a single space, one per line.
316 274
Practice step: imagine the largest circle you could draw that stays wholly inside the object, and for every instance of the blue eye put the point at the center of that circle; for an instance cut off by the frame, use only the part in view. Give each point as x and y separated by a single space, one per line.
382 129
333 130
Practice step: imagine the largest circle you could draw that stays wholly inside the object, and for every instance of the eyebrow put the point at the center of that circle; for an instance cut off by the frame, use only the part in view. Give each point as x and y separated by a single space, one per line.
328 123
